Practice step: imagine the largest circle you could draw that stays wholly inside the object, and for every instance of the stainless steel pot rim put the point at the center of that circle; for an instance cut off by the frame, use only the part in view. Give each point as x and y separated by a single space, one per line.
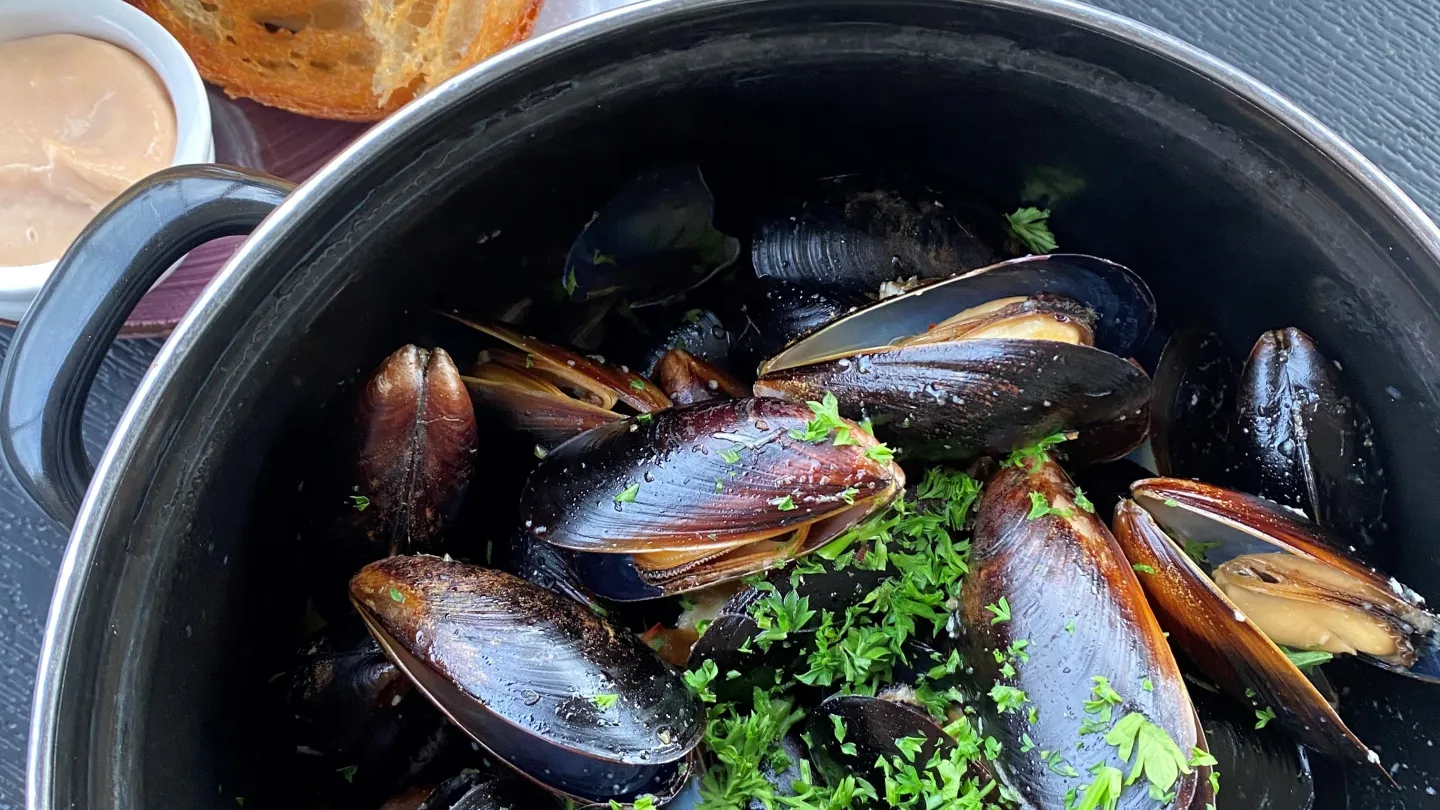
118 454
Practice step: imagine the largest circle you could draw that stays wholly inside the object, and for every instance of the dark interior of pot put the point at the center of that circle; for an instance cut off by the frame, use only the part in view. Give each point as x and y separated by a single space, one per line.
1227 214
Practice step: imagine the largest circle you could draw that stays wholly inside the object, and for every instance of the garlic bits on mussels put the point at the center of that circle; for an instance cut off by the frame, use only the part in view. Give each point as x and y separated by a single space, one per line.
1054 620
549 688
691 496
995 359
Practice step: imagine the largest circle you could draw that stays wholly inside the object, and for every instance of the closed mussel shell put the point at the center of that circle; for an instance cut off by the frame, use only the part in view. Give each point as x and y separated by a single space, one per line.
1074 599
1306 442
415 452
1193 410
541 682
1224 643
869 726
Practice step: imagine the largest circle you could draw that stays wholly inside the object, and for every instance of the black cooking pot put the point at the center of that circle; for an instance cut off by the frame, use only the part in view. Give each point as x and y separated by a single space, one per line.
177 593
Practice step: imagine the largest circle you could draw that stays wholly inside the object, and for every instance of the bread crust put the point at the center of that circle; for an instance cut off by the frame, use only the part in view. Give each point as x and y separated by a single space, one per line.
321 72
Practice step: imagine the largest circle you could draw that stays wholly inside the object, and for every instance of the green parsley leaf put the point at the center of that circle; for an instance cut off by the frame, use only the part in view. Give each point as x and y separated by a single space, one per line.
1031 227
1263 717
693 315
730 455
1142 568
1197 549
910 746
1306 660
826 420
601 258
1040 507
1147 685
1171 502
839 723
784 504
1034 455
699 680
1070 627
1104 792
1157 757
880 452
1083 502
1201 758
1001 611
1026 744
645 418
1007 698
396 595
627 495
848 495
529 359
637 385
1102 696
348 772
541 452
867 426
360 502
570 283
719 485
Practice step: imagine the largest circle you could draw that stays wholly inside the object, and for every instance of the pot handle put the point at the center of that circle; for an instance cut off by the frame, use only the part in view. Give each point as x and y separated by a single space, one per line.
56 351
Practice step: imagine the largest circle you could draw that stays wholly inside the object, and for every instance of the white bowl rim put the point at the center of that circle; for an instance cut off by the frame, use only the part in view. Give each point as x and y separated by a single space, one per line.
121 24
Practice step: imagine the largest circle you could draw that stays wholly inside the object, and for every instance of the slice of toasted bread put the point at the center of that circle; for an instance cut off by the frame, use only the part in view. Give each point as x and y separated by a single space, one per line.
355 60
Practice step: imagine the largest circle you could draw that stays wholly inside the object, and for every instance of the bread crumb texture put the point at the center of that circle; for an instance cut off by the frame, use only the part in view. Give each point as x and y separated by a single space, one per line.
351 60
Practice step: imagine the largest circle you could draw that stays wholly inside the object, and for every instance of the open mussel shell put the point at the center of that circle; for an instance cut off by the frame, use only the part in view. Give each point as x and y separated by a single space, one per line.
1123 306
1260 769
1306 442
686 379
417 440
1220 525
1224 643
1074 598
958 400
1193 407
552 393
519 669
700 494
856 233
653 241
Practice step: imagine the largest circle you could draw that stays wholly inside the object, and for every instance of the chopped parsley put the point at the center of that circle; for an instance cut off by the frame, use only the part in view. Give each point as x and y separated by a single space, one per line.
396 595
785 504
1041 507
1103 793
627 495
1263 717
601 258
570 283
1171 502
826 421
848 495
1070 627
839 723
603 702
360 502
1156 756
1197 549
1147 685
1031 226
1142 568
730 455
699 680
719 485
1001 611
645 418
880 452
348 772
1083 502
1306 660
693 315
1033 455
1007 698
638 385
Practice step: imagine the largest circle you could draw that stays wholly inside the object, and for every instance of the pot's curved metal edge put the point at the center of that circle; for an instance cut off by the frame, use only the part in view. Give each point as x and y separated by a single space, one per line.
113 462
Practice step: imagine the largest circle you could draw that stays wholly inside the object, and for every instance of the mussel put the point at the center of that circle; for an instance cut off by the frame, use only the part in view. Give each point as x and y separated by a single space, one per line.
686 379
1306 442
1262 769
1231 575
551 393
1290 578
416 452
871 735
695 495
700 333
473 790
653 241
986 362
778 313
540 682
1052 611
1193 411
853 233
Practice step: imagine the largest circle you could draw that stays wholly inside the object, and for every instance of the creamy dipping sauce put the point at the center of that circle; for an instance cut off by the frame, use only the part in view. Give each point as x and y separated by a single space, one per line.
80 120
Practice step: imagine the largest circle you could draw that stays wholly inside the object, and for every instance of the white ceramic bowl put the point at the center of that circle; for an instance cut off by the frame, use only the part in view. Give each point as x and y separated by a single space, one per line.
121 24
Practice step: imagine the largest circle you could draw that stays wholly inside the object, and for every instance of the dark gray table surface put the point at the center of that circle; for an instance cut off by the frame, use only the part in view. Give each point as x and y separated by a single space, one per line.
1368 68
